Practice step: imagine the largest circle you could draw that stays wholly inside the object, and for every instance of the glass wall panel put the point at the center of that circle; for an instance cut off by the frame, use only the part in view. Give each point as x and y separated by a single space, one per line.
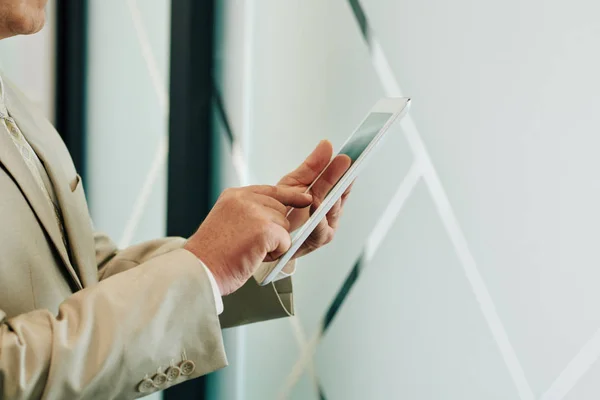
125 119
507 96
485 287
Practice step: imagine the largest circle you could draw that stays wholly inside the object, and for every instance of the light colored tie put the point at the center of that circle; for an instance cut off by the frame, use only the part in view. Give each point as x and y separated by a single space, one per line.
40 175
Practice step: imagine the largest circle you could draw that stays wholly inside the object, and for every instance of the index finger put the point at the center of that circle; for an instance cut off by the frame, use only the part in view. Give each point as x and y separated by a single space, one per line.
287 196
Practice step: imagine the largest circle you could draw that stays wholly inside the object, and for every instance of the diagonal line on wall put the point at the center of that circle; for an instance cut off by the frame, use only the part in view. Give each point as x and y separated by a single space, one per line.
447 215
391 213
342 294
444 208
575 370
220 107
300 336
237 153
298 369
374 241
160 157
321 393
160 88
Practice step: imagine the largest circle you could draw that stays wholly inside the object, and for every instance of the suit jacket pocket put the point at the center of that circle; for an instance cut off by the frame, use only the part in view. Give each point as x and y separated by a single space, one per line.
75 183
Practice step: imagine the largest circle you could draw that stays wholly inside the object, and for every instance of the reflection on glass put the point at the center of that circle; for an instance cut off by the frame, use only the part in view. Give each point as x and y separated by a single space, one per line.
365 133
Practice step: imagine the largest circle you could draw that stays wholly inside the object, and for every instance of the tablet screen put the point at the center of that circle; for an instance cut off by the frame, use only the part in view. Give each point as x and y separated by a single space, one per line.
365 133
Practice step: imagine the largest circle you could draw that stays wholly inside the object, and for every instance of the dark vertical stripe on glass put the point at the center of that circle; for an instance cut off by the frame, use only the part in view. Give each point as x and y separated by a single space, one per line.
71 78
191 157
360 16
342 294
321 392
220 107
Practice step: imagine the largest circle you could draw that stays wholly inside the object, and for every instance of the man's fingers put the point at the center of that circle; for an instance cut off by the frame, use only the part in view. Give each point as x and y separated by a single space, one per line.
348 189
310 168
271 203
331 176
280 242
322 235
346 194
333 216
278 218
286 196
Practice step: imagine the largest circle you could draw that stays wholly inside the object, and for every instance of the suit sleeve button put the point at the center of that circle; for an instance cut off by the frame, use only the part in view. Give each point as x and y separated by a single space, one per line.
159 379
146 385
187 367
173 372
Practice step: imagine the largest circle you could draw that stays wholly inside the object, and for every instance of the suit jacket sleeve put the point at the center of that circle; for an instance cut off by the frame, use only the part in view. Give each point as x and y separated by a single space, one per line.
251 303
108 337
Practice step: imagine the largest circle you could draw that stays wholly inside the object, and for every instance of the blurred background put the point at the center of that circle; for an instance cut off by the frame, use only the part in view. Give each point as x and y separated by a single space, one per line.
466 265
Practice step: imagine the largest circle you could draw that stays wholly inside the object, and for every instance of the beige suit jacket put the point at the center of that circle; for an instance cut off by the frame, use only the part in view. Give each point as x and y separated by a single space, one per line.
91 321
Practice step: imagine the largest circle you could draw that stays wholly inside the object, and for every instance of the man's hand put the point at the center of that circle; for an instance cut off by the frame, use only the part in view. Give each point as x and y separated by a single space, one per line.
301 178
246 226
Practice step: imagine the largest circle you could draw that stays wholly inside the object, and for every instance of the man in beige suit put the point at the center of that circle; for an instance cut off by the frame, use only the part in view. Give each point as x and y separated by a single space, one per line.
81 319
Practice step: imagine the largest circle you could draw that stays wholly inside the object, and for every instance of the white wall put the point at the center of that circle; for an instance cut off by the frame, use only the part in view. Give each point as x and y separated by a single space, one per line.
486 286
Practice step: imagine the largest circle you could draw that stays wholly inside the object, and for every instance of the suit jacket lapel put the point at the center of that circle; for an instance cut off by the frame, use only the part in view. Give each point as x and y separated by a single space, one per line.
43 209
76 219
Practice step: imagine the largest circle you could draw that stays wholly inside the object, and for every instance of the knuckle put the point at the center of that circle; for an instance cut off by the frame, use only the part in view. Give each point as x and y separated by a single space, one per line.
229 197
286 243
264 227
328 238
224 194
253 210
331 236
273 191
228 193
265 189
237 198
281 208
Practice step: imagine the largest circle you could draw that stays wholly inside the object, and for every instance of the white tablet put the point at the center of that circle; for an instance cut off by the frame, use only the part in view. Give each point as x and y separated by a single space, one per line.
359 147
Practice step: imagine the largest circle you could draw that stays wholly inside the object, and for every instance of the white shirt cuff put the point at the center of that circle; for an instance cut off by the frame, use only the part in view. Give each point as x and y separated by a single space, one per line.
286 271
215 289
